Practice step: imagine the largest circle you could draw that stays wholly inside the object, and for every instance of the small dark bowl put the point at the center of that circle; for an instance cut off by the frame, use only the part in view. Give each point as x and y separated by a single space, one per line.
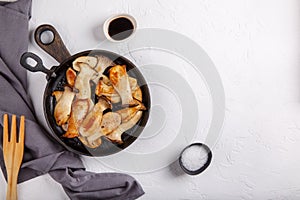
200 170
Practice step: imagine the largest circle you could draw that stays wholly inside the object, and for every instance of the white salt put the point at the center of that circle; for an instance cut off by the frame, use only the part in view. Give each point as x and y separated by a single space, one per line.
194 157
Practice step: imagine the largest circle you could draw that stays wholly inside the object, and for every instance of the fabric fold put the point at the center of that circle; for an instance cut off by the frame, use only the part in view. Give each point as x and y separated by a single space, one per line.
42 154
84 185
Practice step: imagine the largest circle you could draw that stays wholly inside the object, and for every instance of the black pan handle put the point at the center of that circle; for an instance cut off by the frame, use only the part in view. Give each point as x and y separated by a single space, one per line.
38 67
56 48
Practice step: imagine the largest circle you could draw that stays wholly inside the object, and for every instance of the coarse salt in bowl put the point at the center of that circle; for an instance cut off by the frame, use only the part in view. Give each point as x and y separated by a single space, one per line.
195 158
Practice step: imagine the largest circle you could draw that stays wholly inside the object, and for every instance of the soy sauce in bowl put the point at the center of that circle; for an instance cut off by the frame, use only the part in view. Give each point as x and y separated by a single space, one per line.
120 28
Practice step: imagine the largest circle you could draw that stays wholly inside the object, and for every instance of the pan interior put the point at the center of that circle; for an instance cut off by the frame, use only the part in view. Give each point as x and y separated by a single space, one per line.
107 147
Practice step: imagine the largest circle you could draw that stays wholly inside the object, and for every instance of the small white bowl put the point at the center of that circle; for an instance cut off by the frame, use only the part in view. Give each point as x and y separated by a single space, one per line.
109 20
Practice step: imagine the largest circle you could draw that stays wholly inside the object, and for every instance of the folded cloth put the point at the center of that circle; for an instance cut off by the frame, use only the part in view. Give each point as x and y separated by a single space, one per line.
42 154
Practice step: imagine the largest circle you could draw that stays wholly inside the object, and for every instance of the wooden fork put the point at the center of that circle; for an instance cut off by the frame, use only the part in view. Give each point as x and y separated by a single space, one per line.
13 150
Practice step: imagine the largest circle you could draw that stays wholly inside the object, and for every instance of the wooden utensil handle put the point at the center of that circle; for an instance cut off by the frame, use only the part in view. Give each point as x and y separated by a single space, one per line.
56 48
11 192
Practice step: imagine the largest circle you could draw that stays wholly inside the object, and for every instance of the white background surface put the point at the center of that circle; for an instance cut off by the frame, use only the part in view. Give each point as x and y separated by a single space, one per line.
255 45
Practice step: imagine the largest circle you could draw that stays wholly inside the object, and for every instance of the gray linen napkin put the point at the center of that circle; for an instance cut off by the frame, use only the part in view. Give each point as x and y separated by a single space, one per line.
42 154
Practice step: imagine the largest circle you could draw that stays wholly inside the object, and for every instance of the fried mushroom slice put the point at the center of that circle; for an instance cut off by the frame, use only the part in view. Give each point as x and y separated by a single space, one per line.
133 83
80 108
71 76
57 94
110 121
119 79
92 122
103 63
94 144
115 136
103 88
137 94
62 108
89 60
130 112
105 80
115 98
82 82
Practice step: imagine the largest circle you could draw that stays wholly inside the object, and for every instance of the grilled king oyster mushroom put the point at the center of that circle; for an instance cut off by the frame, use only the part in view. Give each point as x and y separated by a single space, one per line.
93 144
110 122
80 108
62 108
57 94
129 112
105 80
71 76
90 60
105 88
115 136
92 122
115 98
103 63
137 94
119 79
133 83
82 82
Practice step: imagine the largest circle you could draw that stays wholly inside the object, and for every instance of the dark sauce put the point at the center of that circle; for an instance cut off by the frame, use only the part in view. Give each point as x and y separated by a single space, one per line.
120 28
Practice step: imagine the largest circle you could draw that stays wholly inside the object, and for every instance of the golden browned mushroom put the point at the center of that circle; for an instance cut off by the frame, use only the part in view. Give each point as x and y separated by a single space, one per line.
57 94
119 79
115 136
137 94
103 88
82 82
106 80
71 76
90 60
115 98
62 108
93 144
133 83
80 108
110 121
103 63
92 122
130 112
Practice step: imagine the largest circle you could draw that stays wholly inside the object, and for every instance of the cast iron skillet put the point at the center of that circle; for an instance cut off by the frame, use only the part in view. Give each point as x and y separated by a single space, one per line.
57 80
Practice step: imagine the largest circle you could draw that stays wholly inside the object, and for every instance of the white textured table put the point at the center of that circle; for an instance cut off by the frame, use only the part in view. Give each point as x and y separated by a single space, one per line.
255 45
